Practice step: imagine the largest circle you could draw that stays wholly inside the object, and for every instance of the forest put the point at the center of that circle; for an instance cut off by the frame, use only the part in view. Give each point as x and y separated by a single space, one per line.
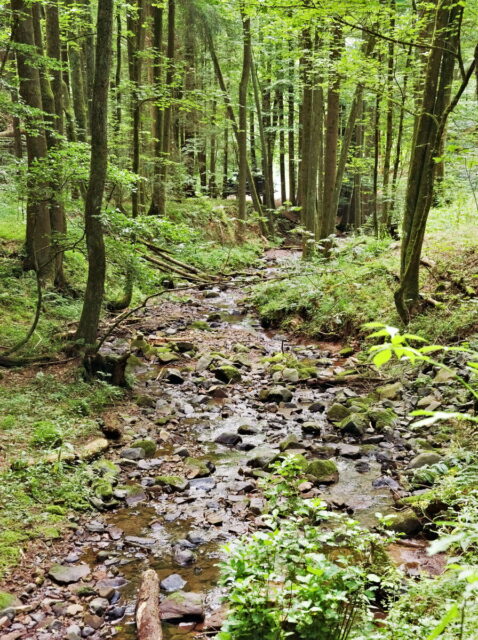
238 319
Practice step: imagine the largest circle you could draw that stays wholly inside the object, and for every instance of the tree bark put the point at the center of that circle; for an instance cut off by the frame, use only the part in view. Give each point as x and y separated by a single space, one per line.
38 228
158 14
242 130
90 315
148 619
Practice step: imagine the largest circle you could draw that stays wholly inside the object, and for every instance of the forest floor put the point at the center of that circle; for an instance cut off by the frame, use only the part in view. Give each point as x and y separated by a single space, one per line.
216 398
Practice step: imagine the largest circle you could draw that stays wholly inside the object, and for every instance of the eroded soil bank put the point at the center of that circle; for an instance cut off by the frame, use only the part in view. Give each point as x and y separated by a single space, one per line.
216 399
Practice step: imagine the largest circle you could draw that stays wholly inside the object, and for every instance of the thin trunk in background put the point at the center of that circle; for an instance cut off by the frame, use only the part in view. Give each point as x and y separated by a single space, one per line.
242 129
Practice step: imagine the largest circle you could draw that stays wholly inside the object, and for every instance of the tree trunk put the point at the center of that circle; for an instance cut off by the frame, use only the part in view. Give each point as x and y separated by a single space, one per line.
57 209
38 231
158 13
291 130
328 214
90 315
166 141
148 619
242 130
429 128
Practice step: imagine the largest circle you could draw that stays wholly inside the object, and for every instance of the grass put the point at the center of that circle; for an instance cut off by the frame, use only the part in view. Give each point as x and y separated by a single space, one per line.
38 415
332 299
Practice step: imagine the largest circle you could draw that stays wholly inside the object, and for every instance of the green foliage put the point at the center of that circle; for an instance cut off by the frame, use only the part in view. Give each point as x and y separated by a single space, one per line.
46 434
310 575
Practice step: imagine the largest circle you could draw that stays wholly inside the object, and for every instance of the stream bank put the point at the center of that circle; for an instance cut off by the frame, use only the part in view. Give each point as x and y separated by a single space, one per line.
217 398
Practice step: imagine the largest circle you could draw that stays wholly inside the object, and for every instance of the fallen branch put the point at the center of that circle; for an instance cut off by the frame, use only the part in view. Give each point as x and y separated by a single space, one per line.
167 267
148 621
167 256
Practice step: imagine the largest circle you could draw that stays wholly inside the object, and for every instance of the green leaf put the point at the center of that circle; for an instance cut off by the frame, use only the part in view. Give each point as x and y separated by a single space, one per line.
452 614
382 357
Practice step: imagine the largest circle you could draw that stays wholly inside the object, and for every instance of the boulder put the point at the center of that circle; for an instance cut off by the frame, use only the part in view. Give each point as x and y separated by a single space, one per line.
173 583
227 374
424 459
290 375
390 391
67 574
247 430
337 412
198 468
276 394
172 483
382 417
173 376
323 471
311 428
406 522
148 445
290 442
183 606
133 453
228 439
354 425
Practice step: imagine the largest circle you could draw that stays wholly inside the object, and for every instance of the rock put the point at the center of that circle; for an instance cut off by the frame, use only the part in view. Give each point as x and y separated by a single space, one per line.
247 430
337 412
276 394
382 417
349 451
227 374
183 346
311 428
98 606
183 557
323 471
228 439
173 376
68 574
173 483
92 621
73 632
202 484
390 391
133 453
443 376
134 495
346 351
290 375
317 407
256 506
354 425
424 459
263 461
406 522
8 600
165 357
93 448
198 468
290 442
148 445
173 583
137 541
204 363
181 605
107 586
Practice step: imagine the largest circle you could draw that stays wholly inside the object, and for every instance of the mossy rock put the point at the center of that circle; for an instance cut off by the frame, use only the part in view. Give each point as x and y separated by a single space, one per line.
165 357
355 424
102 488
227 374
337 412
290 442
308 372
106 468
8 600
201 325
389 391
197 468
148 446
174 483
322 471
382 417
406 522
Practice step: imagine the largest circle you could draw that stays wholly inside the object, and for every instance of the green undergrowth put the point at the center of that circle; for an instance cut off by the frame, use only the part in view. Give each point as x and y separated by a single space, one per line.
197 231
44 415
331 299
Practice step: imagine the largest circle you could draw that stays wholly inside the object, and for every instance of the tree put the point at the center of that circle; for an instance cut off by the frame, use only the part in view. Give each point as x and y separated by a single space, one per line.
242 130
38 232
90 315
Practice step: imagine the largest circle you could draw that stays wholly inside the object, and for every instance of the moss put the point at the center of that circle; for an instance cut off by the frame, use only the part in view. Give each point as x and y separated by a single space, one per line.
323 470
173 482
149 447
201 325
6 600
382 417
227 373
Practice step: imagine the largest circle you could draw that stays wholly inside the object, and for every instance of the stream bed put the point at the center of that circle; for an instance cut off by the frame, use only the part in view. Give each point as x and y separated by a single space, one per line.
228 431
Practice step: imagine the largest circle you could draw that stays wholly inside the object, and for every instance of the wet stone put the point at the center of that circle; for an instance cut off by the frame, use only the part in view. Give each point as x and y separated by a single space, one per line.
173 583
183 557
133 453
69 574
228 439
183 606
98 606
138 541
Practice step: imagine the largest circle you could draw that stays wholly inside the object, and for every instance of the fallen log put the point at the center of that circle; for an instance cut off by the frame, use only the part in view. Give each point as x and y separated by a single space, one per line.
148 621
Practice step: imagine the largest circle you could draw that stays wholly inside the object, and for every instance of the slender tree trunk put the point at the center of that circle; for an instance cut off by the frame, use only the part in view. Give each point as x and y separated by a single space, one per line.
328 214
242 131
282 167
291 130
57 208
158 13
387 159
213 192
38 231
90 315
77 81
166 140
225 160
429 129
